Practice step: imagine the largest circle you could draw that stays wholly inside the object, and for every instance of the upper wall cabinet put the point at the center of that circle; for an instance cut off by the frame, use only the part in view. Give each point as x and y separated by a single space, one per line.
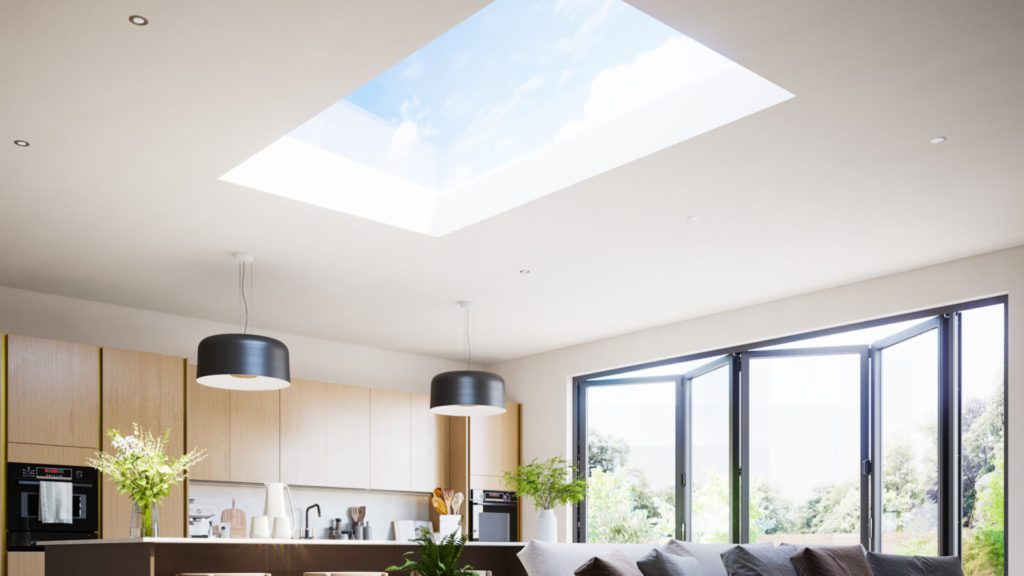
390 430
209 428
429 442
348 436
53 393
147 389
304 425
255 436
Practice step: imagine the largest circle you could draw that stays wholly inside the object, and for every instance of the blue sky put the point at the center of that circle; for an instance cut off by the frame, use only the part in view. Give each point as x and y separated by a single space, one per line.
504 82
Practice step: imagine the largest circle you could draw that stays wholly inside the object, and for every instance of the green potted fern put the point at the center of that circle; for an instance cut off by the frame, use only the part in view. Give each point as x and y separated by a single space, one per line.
436 558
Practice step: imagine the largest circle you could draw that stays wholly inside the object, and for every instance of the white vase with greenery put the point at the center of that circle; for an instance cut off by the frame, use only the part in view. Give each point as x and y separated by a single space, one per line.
550 483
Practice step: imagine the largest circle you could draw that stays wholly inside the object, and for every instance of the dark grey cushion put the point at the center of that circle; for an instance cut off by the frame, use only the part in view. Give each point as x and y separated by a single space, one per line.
760 560
831 561
708 555
614 564
659 563
893 565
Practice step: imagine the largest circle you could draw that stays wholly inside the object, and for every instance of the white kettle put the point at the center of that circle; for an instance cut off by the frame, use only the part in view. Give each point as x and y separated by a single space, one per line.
279 511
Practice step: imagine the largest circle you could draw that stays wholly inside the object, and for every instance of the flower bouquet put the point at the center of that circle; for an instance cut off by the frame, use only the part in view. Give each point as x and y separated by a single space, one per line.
142 470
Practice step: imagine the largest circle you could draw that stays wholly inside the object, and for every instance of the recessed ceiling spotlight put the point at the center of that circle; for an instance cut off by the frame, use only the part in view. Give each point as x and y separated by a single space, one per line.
138 20
938 140
22 143
692 218
525 271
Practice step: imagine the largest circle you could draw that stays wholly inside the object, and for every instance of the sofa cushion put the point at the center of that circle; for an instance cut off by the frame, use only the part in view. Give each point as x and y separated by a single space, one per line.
612 564
756 560
708 555
659 563
831 561
893 565
559 559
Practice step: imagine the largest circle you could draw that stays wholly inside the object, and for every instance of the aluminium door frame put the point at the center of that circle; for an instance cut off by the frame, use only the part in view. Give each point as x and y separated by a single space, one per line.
865 425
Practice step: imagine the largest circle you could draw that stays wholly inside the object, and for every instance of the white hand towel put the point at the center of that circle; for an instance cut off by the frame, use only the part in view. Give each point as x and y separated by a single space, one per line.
55 502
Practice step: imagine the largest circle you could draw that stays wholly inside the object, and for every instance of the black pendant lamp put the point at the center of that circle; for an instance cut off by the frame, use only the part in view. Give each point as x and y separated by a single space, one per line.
243 361
467 392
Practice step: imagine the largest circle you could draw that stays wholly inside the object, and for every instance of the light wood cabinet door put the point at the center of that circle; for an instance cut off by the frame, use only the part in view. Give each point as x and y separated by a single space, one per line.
304 421
255 434
53 392
348 436
209 428
390 452
493 448
56 455
25 564
147 389
429 442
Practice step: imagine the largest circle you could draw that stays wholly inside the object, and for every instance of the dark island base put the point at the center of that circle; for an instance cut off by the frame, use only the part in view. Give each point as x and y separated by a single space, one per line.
168 559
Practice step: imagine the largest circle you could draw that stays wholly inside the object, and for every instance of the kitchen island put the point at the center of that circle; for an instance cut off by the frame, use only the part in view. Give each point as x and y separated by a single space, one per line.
170 556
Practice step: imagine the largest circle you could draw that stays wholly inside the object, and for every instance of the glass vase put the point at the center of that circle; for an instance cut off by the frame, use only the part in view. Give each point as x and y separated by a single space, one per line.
145 521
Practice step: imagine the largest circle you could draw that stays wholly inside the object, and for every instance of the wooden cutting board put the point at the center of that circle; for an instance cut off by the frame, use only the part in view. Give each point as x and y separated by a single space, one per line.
235 517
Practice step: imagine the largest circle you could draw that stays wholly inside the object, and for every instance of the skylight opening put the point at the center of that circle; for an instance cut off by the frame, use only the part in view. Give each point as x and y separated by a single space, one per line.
522 99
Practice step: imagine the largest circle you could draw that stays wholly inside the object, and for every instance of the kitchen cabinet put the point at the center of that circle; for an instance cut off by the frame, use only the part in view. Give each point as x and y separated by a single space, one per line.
56 455
25 563
208 427
53 393
429 442
254 436
348 429
304 422
390 430
483 449
147 389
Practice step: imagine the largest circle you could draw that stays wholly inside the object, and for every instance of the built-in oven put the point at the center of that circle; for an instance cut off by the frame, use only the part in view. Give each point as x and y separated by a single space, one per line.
493 516
71 513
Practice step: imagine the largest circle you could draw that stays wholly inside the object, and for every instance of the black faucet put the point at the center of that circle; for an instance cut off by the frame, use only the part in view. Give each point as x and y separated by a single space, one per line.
307 533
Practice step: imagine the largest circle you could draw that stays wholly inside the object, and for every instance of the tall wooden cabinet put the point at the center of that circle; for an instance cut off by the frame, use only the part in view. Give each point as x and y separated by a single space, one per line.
304 421
254 436
484 448
348 436
208 419
390 430
429 444
53 392
147 389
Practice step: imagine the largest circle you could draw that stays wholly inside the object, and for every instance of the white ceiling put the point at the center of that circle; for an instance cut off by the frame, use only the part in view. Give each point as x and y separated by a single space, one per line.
118 198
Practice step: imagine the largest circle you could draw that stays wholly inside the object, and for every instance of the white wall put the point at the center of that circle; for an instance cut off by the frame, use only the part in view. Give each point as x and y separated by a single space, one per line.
70 319
543 382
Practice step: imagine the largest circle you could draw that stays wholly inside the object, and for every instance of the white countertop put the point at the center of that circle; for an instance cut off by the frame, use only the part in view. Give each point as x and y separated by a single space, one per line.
264 541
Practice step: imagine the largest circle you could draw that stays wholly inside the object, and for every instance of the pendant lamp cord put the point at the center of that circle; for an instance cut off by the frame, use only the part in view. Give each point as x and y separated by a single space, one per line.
241 291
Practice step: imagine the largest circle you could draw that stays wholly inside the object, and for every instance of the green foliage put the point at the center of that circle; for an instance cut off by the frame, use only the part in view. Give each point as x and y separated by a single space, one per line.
770 511
436 559
550 483
606 453
140 467
710 510
613 515
833 509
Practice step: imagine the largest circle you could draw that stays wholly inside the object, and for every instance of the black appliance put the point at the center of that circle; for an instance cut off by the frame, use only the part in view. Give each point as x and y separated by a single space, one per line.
493 516
24 530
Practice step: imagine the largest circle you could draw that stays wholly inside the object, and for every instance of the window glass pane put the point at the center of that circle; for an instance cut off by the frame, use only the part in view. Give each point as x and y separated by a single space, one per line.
982 440
861 337
674 369
631 456
805 449
910 479
709 456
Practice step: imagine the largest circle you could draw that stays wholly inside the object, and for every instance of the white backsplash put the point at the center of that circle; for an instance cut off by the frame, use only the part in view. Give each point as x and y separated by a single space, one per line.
382 508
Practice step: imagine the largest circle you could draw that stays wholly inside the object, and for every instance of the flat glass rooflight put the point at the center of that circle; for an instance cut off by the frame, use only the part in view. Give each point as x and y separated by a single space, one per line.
522 99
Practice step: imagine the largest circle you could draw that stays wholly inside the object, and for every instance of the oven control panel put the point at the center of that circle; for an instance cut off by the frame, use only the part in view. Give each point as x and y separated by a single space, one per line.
48 473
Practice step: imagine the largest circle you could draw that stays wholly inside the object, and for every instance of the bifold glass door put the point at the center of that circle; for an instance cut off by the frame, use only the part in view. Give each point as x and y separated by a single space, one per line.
804 418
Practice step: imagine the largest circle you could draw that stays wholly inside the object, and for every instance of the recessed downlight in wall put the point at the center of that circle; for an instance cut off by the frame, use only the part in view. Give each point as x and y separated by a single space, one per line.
525 271
692 218
138 20
938 140
22 143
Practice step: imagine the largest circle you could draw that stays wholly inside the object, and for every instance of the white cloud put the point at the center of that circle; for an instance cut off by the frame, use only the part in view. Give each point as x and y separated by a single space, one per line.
652 76
535 83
